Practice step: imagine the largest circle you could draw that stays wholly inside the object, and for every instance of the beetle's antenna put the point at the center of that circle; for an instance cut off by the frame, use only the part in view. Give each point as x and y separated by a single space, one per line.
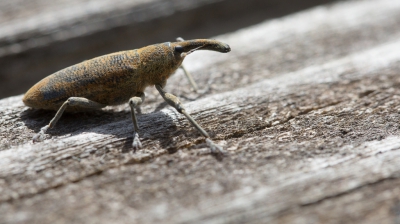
191 51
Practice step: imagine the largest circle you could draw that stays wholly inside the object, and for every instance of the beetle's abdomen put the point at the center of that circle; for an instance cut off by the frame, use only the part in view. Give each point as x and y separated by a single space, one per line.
110 79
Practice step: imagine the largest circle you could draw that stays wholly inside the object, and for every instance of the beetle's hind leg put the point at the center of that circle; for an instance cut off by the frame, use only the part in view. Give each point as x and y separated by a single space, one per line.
72 101
135 102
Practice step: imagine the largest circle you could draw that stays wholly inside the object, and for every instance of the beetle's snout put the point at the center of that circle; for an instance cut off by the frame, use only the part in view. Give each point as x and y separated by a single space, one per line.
225 48
202 44
216 46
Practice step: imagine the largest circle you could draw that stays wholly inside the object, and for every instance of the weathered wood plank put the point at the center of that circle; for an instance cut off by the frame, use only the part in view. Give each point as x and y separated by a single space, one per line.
307 106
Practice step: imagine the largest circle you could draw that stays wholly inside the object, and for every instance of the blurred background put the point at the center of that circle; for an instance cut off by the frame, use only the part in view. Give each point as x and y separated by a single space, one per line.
39 37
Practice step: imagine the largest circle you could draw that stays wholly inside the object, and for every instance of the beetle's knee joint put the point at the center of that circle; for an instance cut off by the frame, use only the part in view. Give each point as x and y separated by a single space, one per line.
72 101
180 108
135 102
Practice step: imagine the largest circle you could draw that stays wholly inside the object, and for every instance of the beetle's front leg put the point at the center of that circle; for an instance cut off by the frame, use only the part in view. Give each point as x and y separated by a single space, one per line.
134 102
174 102
72 101
187 73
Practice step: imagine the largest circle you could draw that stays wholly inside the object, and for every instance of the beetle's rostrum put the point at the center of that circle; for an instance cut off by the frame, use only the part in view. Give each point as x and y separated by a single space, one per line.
115 79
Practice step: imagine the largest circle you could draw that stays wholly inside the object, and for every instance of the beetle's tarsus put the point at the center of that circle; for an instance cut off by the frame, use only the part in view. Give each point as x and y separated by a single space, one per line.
134 103
136 144
215 149
41 135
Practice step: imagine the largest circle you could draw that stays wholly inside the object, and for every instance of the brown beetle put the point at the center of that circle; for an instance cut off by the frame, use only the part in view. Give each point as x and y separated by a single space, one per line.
118 78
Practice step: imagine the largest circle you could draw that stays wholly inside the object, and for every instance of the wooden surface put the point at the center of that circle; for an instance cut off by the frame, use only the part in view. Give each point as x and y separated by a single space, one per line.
307 107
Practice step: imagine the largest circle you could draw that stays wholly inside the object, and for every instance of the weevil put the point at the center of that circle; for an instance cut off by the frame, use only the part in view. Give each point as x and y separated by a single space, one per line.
118 78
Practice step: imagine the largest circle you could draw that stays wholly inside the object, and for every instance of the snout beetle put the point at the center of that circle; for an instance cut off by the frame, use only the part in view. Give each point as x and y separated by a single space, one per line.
118 78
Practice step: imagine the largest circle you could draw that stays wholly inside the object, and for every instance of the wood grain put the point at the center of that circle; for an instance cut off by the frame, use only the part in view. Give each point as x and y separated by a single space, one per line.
307 106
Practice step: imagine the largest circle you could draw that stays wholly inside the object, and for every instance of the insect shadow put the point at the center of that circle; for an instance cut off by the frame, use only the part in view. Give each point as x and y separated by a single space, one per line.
154 127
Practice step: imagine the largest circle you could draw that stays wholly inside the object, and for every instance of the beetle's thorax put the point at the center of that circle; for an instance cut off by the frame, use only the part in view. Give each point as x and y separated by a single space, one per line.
158 62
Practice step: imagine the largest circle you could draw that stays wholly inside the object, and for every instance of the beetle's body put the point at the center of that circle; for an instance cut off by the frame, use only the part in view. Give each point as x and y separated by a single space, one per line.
115 79
110 79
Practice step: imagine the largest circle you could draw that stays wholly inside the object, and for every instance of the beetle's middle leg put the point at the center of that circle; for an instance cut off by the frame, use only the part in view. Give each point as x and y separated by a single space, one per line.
135 102
174 102
72 101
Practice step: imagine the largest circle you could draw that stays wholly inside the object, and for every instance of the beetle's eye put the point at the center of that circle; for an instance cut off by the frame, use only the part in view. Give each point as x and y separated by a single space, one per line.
178 49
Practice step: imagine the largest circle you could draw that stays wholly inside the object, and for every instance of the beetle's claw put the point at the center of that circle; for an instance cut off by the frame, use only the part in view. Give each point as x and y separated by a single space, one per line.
136 144
215 149
41 135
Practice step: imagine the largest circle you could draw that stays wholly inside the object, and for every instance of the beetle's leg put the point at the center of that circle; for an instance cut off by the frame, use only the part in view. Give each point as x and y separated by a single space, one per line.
174 102
190 78
72 101
187 74
135 102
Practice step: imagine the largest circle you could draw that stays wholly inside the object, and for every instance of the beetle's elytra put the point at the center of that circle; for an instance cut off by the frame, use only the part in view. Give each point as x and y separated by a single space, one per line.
115 79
